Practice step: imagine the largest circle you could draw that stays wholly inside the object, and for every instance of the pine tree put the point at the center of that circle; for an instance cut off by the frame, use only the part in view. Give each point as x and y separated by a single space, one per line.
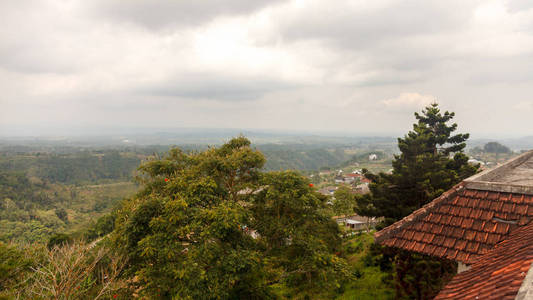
431 161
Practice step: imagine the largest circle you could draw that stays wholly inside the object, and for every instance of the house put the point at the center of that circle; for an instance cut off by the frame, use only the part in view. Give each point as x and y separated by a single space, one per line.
350 178
362 188
328 191
356 222
373 157
485 224
325 172
339 179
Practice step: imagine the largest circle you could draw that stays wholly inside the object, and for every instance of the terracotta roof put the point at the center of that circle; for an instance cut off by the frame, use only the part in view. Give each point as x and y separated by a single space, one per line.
467 221
461 225
500 273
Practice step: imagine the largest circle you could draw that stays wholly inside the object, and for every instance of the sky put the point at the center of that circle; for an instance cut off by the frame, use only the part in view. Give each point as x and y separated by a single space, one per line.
359 67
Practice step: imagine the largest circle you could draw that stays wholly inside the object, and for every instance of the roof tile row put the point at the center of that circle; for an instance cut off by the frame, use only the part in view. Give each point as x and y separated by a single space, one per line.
497 275
465 222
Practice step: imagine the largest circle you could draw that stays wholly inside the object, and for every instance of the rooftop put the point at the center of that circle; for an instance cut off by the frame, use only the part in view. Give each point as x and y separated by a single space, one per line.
515 175
484 222
467 221
503 273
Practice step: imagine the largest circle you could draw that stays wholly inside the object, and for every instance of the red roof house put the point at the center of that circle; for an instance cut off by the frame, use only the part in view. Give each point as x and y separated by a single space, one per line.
480 223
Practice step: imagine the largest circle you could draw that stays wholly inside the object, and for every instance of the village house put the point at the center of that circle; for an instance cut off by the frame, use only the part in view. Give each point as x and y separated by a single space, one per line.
328 191
484 224
351 178
356 222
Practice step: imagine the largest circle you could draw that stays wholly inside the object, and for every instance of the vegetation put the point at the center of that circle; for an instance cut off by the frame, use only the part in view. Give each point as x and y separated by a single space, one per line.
370 281
216 223
431 161
77 168
301 157
72 271
188 233
32 209
344 201
495 147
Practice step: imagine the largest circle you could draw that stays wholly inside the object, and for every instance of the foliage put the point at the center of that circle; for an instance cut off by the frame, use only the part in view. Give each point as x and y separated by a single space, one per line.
103 226
495 147
302 157
14 264
420 276
431 161
190 232
77 270
370 282
58 239
344 201
300 238
73 168
184 232
32 210
69 271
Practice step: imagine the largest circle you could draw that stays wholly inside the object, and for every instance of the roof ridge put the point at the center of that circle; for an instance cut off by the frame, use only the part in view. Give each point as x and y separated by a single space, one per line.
417 214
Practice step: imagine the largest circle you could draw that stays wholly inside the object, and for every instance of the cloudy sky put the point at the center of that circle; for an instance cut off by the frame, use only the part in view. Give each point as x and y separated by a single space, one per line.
364 67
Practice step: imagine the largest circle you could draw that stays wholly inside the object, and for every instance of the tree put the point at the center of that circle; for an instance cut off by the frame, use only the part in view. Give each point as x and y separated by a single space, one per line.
431 161
344 201
495 147
211 225
184 233
299 236
62 214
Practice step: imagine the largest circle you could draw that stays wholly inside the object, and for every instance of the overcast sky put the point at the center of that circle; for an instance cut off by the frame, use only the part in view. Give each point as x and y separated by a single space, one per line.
75 66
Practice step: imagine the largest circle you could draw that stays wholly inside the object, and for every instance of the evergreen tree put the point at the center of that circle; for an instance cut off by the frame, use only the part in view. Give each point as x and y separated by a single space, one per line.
431 161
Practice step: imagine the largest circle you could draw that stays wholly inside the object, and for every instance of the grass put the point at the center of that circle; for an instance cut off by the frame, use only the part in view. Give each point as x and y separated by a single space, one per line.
370 282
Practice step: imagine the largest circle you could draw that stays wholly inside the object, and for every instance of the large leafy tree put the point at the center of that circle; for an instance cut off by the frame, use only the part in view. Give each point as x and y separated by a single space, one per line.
211 225
431 161
344 201
184 232
299 237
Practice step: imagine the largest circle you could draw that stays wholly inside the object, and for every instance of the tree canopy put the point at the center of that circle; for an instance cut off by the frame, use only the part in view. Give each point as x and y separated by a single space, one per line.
211 224
431 161
495 147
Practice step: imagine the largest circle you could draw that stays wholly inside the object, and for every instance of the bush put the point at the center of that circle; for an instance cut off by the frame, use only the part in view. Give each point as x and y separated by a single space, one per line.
59 239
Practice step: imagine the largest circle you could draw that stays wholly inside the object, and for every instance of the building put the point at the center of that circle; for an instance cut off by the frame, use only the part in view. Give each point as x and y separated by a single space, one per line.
328 191
485 224
356 222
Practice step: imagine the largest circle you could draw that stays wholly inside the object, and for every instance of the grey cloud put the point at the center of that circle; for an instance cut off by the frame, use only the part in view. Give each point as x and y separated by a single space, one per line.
320 65
519 5
507 70
160 14
225 87
362 29
399 43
